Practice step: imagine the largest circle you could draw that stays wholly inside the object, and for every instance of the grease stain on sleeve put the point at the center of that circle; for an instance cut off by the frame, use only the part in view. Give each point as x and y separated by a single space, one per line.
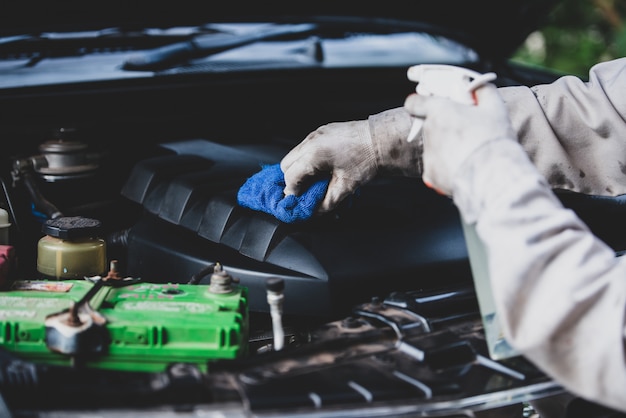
556 178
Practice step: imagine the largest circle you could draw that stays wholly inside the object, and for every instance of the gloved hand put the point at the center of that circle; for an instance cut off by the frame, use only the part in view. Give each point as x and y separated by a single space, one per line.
452 132
353 153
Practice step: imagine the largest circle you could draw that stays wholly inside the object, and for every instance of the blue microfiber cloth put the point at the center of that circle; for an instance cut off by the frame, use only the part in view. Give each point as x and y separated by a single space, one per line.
264 192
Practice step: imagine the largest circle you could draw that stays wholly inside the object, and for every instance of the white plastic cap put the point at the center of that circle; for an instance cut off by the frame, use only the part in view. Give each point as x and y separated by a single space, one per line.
4 227
4 218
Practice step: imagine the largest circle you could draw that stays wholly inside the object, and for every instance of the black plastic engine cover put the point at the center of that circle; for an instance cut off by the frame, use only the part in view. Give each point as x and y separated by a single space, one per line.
394 234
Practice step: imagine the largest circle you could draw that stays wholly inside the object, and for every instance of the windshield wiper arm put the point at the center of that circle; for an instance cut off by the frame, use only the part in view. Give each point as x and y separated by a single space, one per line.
205 45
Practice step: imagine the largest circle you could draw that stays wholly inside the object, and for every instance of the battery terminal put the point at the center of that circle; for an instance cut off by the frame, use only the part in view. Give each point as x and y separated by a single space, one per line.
221 282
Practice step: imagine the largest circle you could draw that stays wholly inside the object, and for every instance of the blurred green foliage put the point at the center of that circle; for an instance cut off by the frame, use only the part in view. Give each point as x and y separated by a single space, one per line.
577 35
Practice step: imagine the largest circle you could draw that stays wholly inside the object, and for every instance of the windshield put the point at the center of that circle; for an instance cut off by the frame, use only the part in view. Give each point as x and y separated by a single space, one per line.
113 54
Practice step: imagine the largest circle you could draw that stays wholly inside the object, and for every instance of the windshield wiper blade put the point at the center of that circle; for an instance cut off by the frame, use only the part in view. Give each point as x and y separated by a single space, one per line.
76 43
205 45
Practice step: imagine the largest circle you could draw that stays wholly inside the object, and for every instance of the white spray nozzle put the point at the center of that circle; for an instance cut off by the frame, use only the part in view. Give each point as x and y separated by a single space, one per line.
452 82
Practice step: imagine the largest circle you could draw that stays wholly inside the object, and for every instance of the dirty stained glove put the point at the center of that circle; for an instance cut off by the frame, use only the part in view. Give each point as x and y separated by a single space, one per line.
453 131
353 153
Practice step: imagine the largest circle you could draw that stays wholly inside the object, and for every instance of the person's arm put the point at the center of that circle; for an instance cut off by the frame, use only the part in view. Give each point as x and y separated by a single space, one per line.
559 291
574 130
571 130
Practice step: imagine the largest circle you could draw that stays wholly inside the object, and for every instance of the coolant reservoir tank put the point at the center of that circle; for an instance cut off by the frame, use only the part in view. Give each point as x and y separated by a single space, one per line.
71 248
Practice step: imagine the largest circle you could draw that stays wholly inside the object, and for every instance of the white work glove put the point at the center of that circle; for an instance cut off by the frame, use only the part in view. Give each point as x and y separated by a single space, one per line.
352 153
453 131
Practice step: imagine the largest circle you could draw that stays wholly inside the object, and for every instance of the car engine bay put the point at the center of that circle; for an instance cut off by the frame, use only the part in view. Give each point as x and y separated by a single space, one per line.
175 299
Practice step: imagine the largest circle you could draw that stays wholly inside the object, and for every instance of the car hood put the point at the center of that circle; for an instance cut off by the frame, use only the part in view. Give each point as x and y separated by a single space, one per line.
494 28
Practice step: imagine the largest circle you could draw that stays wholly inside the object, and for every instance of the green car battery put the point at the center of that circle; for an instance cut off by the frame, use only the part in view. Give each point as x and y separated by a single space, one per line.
134 327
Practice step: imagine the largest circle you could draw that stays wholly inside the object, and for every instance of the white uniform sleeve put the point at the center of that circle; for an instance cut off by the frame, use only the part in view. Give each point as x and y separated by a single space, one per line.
559 291
575 131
